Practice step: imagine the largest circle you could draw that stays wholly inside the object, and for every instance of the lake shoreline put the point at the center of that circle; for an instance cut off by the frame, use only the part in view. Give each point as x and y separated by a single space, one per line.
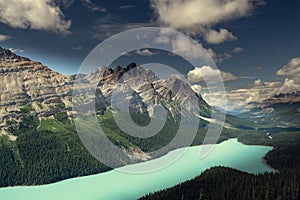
117 169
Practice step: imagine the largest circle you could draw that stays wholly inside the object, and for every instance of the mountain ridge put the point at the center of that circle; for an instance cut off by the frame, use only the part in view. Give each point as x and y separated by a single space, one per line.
25 82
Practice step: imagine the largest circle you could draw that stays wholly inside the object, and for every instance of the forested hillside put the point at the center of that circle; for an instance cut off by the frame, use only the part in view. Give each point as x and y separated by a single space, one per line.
224 183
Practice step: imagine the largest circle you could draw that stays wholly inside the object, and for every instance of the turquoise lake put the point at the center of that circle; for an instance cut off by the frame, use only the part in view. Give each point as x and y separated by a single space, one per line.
118 185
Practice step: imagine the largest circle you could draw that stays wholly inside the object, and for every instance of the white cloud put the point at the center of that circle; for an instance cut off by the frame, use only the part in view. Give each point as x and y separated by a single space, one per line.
199 16
92 6
217 37
259 90
197 88
202 13
162 39
17 51
291 70
124 7
237 50
288 86
257 82
188 48
144 52
183 45
33 14
242 98
191 13
4 37
199 73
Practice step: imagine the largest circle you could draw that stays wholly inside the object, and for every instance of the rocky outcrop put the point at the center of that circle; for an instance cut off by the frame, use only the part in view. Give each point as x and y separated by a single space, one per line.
23 82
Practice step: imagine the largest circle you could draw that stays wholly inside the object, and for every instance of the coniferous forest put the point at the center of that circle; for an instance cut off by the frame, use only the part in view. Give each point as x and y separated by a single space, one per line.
225 183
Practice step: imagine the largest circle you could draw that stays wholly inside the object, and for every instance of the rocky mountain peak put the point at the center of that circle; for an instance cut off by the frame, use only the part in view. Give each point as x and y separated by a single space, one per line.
7 55
24 82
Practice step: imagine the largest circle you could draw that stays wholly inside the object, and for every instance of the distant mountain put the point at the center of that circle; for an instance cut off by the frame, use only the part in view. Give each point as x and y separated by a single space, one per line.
282 98
282 110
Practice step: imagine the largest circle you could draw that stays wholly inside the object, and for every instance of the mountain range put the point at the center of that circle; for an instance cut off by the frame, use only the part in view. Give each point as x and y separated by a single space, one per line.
282 110
25 82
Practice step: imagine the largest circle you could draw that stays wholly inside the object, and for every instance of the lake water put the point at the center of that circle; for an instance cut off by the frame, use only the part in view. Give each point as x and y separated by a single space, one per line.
114 185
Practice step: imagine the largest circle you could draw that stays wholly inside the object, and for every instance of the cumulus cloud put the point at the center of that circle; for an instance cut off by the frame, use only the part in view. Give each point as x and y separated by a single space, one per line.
198 74
237 50
198 16
32 14
191 13
186 47
197 88
4 37
291 70
183 45
144 52
242 98
217 37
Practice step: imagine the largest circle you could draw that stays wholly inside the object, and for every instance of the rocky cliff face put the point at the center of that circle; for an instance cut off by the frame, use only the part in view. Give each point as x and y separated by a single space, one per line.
23 82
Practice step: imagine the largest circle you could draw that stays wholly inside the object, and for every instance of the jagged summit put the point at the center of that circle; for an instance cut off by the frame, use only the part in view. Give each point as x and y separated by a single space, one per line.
7 55
23 82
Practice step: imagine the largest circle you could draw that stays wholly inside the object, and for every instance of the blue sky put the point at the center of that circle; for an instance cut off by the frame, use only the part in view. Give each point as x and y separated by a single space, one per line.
251 40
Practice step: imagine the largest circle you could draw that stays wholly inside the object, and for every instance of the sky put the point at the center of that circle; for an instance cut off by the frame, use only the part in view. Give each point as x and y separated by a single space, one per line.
254 43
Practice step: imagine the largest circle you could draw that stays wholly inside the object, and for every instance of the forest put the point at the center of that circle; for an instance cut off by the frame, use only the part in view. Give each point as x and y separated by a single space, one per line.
224 183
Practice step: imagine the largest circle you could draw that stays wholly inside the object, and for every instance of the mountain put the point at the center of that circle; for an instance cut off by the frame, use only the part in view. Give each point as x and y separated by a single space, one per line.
281 110
25 82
